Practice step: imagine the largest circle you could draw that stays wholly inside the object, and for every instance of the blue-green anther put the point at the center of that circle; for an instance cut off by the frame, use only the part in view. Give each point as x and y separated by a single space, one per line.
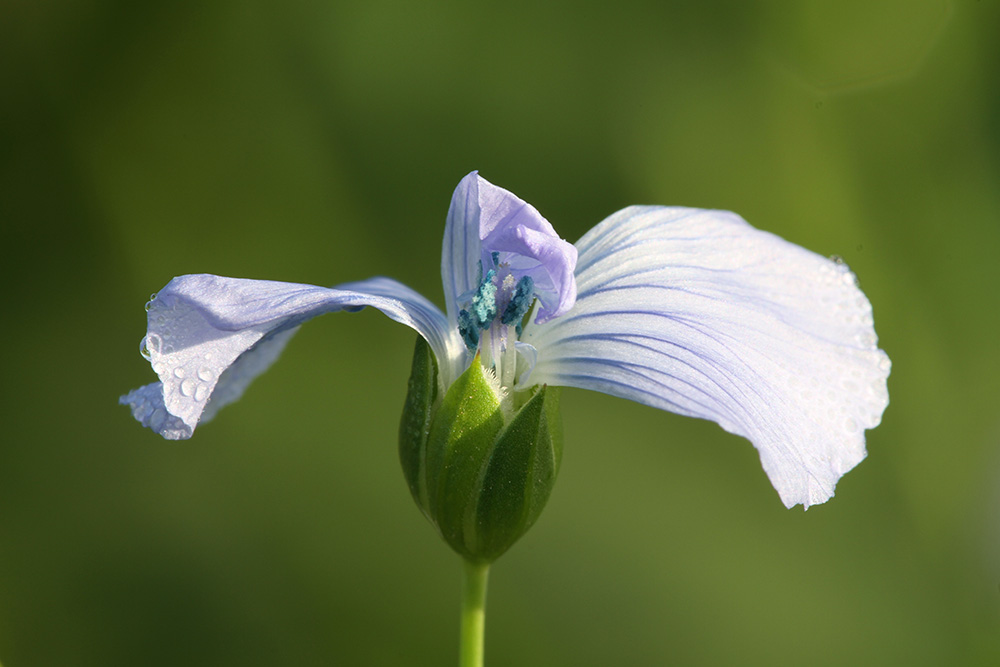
479 464
468 329
519 302
484 302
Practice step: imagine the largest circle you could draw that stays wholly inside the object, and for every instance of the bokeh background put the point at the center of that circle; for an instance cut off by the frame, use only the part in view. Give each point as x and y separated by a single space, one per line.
319 142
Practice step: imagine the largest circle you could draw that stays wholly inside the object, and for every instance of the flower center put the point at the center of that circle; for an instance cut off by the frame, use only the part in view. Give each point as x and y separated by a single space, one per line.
491 323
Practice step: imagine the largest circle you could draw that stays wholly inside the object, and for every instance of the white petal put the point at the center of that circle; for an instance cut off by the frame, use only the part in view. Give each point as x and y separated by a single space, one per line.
699 313
208 337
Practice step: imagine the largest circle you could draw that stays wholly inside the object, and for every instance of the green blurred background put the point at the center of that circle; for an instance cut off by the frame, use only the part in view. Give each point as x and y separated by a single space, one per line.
319 142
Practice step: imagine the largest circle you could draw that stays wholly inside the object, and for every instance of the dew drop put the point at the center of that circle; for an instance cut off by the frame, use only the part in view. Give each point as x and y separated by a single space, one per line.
149 304
884 364
867 339
180 373
205 373
188 387
201 393
851 425
150 345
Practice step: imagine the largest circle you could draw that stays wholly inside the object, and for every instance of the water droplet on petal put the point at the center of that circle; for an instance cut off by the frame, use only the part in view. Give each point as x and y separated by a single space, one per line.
179 373
867 339
201 393
150 345
149 304
851 425
188 387
206 374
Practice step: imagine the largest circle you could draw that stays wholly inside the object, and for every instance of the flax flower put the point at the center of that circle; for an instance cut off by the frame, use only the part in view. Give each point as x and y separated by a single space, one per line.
687 310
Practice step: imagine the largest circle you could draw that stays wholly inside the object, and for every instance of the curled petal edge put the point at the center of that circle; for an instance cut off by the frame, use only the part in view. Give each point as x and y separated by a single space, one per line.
209 337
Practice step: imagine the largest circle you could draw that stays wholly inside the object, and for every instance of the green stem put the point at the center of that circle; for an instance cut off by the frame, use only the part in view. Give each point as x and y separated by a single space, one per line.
473 614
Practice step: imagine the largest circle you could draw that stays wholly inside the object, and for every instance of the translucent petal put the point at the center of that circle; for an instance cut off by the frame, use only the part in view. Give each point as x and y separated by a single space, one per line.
460 250
484 219
208 337
699 313
527 357
530 246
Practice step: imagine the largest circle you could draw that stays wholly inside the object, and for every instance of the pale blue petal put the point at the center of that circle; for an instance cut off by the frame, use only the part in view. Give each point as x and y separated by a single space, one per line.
530 246
148 408
460 250
527 357
484 219
699 313
208 337
188 404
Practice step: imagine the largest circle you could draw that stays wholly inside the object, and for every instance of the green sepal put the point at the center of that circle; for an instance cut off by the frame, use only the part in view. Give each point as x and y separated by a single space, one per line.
415 424
480 472
463 433
519 476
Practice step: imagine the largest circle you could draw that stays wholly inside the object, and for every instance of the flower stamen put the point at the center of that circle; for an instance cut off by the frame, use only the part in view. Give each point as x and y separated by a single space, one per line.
491 323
